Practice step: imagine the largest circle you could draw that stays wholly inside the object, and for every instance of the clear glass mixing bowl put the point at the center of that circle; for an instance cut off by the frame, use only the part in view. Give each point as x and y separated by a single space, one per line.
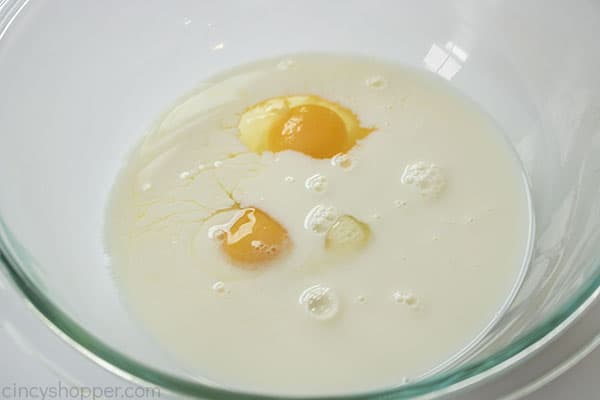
81 81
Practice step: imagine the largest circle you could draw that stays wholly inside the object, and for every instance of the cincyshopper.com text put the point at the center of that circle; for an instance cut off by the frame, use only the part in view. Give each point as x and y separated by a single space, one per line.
66 392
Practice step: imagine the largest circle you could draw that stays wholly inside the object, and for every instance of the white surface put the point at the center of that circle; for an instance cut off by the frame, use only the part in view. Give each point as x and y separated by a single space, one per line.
32 356
581 382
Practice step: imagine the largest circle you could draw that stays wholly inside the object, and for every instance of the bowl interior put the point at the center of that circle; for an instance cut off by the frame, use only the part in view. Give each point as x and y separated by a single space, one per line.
82 80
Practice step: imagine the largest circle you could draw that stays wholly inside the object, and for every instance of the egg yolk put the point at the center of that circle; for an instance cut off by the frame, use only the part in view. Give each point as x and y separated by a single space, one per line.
255 239
310 129
307 124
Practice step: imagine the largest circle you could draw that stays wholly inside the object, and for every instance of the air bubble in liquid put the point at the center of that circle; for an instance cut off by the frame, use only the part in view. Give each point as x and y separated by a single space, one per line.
343 161
320 218
400 203
319 302
217 232
184 175
261 247
405 298
427 179
316 183
376 82
219 287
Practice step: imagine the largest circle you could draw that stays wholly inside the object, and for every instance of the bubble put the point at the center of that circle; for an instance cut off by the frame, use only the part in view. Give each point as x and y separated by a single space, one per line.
347 234
146 186
286 64
219 287
320 218
271 250
319 302
218 164
261 247
316 183
217 232
343 161
184 175
400 203
361 299
427 179
289 179
407 298
376 82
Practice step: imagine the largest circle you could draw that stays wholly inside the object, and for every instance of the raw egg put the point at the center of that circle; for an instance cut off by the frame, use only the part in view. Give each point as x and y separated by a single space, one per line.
254 238
307 124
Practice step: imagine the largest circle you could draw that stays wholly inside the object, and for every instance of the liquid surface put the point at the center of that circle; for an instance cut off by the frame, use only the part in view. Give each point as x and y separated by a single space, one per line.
268 257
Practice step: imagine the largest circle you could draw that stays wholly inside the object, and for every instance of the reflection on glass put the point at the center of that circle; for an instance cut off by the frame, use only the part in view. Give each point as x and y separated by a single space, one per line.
446 61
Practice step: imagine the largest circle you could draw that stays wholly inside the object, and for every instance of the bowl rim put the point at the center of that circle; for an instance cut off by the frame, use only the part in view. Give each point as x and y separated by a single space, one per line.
12 256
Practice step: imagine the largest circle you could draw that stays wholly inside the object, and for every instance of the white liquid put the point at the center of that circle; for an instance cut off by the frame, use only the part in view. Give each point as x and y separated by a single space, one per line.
439 188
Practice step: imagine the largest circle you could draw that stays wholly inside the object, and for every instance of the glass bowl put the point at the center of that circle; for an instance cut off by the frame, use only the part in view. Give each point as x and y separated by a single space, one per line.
82 80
